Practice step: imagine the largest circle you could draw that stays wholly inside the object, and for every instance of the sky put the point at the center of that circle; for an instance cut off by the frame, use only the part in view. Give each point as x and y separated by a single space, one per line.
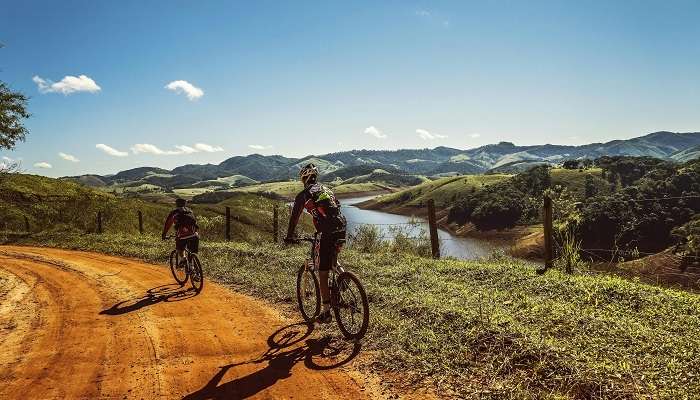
120 84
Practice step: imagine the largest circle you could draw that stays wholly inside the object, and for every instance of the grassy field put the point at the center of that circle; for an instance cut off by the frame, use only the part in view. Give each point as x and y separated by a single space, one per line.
51 204
446 191
443 190
484 329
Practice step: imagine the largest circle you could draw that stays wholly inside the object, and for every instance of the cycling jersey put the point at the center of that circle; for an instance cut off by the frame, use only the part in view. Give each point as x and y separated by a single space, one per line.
185 224
323 206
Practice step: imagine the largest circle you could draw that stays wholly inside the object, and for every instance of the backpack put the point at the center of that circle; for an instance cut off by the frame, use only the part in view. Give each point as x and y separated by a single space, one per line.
185 217
323 197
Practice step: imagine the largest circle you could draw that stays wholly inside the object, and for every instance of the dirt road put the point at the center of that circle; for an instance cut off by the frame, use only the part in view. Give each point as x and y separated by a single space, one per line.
85 325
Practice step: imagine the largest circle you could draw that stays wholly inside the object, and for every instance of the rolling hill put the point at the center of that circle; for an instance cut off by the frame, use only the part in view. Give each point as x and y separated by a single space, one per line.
503 157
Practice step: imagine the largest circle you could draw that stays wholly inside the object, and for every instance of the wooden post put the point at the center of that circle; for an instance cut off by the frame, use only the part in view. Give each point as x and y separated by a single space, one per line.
26 224
99 222
548 251
228 223
140 222
432 222
275 223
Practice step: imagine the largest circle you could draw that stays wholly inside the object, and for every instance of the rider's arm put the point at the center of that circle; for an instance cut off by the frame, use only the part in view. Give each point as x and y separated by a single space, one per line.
168 223
299 202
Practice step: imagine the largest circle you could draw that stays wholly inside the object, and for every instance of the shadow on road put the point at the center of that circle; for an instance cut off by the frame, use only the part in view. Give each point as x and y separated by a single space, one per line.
158 294
284 352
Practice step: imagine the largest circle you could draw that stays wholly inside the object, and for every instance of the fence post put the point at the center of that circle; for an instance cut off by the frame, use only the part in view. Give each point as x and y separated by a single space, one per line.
228 223
275 223
26 224
548 253
140 221
432 221
99 222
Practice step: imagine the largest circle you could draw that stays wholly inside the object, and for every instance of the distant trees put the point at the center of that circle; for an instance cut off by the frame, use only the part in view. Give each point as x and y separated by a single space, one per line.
504 204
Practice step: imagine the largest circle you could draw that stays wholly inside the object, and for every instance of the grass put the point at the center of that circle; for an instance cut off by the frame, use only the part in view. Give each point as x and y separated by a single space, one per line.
60 205
443 190
481 329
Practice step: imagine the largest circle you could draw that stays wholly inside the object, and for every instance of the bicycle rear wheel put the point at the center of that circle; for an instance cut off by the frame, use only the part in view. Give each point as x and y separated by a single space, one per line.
308 294
179 273
351 307
196 274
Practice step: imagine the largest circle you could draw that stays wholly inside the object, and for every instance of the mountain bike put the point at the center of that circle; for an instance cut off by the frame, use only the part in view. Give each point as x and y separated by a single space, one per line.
192 269
348 298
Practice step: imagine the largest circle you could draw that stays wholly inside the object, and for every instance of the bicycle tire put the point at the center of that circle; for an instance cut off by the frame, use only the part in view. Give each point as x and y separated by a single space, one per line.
196 274
174 261
348 278
316 306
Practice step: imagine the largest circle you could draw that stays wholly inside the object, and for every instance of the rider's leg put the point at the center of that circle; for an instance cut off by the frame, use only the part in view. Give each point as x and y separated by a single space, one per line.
325 292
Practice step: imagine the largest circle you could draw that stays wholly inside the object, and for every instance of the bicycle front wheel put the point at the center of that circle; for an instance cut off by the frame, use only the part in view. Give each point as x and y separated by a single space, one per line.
196 274
308 294
179 272
351 307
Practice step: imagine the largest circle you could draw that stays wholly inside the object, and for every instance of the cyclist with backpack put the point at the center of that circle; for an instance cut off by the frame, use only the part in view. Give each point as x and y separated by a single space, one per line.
321 203
186 235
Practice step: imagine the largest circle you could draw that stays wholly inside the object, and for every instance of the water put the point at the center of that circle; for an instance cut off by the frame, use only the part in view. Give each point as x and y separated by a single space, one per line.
450 245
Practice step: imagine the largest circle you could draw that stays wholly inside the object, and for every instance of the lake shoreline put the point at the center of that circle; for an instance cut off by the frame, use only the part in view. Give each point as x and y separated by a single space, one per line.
522 241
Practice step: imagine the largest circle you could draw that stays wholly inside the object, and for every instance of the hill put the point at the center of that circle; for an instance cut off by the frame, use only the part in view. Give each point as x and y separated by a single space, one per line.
503 157
64 206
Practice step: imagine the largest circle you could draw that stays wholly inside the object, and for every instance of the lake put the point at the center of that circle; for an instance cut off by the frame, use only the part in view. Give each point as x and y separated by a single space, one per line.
450 245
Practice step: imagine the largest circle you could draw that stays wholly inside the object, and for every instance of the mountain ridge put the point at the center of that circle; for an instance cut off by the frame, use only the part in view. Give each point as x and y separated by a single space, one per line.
438 161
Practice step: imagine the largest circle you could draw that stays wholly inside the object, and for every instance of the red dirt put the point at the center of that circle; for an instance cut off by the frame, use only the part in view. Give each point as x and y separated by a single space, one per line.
86 325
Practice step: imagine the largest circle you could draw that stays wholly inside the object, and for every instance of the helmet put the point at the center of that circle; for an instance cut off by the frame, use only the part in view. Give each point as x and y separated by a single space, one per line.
308 174
180 202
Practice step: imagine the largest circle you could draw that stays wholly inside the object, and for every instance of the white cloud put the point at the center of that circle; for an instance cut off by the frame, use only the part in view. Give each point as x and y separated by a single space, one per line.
6 162
181 149
375 132
69 84
192 92
152 149
207 148
186 149
474 135
43 164
258 147
68 157
111 151
425 135
423 13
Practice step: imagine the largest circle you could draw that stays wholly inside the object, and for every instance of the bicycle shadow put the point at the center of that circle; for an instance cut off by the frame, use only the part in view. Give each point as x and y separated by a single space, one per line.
159 294
284 352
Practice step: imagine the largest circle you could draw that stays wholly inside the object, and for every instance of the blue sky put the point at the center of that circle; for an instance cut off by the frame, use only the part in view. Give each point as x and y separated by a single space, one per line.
298 78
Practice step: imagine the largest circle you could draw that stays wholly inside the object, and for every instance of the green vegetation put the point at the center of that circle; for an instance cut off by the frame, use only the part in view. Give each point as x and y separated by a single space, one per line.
443 191
487 329
13 112
65 206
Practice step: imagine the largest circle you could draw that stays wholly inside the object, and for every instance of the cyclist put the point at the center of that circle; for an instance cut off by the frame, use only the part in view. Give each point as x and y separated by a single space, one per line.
320 202
186 235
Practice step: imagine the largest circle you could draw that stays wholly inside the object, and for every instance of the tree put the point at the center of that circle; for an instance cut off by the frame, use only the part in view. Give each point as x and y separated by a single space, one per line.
13 110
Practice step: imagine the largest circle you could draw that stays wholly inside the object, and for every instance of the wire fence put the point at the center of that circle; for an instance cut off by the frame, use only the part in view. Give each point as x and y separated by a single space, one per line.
607 255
